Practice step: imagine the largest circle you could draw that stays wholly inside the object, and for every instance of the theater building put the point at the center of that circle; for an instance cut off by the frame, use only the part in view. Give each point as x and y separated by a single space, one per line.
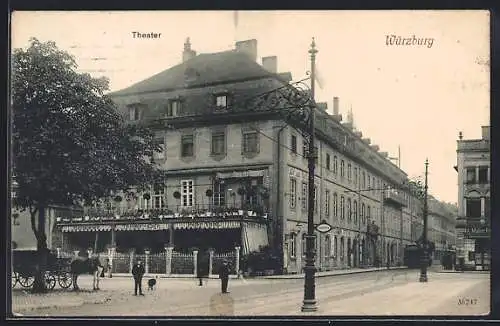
237 177
474 212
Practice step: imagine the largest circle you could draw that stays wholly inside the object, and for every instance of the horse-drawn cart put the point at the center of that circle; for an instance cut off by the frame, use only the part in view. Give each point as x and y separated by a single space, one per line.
25 267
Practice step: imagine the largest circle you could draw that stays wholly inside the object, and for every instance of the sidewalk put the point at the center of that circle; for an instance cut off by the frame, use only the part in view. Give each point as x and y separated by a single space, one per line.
334 272
278 277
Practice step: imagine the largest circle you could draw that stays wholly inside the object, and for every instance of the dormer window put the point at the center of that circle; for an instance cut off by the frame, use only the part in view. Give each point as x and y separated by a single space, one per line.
221 101
174 108
134 113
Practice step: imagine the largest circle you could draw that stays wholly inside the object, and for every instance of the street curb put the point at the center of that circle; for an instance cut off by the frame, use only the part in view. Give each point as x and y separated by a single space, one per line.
301 276
79 303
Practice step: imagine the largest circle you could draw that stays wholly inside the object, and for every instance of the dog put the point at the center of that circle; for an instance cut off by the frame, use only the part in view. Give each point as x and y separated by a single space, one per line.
151 284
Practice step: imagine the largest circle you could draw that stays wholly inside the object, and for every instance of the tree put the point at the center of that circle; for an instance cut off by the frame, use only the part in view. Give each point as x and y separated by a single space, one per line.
70 144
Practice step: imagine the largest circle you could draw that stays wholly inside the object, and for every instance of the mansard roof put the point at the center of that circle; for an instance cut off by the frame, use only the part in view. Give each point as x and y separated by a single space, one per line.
204 69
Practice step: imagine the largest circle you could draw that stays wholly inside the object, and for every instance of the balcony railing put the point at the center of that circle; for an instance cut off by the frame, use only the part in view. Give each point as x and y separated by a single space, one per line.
177 212
392 195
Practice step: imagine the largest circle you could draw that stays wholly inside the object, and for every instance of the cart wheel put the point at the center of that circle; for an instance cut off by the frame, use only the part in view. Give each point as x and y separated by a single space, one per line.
25 281
50 281
64 279
14 279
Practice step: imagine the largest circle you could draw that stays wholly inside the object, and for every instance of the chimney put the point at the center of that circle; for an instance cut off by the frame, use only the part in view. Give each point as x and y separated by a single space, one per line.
486 132
270 64
188 54
335 106
249 47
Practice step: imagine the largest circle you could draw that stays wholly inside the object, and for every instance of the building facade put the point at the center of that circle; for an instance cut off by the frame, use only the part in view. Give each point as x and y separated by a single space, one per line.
474 212
237 177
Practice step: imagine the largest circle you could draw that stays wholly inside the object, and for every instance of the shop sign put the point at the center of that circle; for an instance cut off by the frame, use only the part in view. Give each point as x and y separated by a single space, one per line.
323 227
473 231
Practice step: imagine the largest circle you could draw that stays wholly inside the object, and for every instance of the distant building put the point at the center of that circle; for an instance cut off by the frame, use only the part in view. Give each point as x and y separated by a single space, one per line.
474 212
441 226
237 177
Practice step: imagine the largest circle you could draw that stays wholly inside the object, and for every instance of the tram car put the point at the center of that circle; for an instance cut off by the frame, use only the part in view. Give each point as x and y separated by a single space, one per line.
413 255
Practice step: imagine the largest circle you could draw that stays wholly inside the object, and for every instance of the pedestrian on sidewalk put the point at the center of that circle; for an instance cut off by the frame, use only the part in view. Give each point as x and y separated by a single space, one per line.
138 272
224 276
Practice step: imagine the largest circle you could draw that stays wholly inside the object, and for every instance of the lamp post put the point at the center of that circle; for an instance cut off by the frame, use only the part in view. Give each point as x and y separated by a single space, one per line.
425 260
309 302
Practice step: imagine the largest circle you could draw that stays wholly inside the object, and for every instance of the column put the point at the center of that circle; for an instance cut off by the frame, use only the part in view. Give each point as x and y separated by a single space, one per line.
171 234
237 264
169 250
111 254
210 261
195 262
483 202
113 236
58 252
477 175
147 252
131 261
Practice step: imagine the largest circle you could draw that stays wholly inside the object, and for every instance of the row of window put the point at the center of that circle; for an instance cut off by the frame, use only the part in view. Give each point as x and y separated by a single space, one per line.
347 206
250 144
175 106
481 176
354 175
327 246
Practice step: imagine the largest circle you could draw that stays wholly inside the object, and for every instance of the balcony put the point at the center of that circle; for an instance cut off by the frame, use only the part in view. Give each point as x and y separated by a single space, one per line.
197 212
394 197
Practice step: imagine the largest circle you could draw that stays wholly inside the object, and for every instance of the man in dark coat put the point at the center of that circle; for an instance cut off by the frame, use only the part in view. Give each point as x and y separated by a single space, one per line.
224 275
138 272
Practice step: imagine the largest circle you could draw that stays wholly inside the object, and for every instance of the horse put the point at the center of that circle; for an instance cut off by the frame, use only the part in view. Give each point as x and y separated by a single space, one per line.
82 265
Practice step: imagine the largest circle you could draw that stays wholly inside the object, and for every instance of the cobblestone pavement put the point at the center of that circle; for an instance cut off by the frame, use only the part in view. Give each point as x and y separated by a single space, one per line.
395 292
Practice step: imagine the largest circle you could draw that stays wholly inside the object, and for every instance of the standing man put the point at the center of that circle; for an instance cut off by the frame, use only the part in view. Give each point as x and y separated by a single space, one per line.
224 275
138 272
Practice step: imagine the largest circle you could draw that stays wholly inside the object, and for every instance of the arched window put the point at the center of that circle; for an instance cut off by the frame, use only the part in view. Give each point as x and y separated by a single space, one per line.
293 242
342 169
362 213
342 207
355 209
335 211
304 244
335 247
328 244
342 254
349 210
335 164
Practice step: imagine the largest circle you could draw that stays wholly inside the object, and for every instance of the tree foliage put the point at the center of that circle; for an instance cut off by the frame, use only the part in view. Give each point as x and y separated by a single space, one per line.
69 142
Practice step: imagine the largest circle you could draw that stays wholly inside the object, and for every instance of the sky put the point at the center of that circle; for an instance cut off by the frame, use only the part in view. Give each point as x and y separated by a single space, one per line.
412 96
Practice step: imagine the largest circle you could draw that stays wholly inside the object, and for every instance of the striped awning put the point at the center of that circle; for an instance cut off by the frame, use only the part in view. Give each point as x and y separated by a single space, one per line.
240 174
141 227
85 228
208 225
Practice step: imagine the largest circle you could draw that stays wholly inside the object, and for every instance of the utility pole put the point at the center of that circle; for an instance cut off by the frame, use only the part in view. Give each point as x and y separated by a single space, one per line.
425 260
309 302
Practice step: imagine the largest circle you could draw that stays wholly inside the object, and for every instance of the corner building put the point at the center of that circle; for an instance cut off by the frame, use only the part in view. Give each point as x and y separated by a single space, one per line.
474 210
236 177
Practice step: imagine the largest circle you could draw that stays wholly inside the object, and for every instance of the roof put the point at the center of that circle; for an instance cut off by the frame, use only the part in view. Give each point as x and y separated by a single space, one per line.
203 69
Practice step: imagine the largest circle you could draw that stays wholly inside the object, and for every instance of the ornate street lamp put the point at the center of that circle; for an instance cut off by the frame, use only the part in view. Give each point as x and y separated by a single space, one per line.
295 103
425 246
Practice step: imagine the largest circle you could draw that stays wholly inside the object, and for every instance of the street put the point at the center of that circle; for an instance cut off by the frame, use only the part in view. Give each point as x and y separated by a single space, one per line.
390 292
